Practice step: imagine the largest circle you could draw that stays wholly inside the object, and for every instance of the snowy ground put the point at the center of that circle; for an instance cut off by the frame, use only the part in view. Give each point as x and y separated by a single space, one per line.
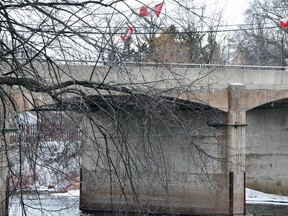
72 193
256 197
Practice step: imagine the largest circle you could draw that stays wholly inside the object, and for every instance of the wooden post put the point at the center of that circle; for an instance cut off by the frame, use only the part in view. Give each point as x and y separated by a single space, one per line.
4 198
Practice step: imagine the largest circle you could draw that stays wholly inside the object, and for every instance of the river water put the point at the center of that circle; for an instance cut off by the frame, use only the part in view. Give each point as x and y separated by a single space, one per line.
266 210
45 204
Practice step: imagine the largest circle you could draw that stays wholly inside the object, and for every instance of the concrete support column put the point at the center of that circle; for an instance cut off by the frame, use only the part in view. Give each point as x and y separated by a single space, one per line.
236 148
87 160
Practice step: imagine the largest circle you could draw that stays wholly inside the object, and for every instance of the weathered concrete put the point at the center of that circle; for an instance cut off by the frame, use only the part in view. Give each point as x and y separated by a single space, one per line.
236 147
266 149
141 163
207 85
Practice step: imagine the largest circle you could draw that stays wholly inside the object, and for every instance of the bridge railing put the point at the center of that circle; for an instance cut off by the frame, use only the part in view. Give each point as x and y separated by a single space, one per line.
183 65
161 64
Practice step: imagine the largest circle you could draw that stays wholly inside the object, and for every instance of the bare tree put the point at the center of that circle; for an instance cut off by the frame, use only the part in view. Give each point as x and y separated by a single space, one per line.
262 41
65 62
193 37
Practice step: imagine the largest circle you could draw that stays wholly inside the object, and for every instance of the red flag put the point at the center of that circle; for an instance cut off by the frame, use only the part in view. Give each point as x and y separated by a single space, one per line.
158 9
129 33
143 11
284 22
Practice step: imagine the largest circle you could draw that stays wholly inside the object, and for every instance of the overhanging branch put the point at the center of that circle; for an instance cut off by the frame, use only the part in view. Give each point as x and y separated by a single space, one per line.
35 86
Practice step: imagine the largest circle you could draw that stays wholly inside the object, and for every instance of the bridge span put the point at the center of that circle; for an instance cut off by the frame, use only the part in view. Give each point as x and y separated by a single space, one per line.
205 84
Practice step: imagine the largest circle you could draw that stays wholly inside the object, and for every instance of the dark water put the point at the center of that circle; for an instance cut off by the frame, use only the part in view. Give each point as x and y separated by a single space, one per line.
266 210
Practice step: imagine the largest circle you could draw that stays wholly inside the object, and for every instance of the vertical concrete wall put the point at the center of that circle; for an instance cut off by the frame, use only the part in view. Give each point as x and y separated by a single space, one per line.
166 163
267 149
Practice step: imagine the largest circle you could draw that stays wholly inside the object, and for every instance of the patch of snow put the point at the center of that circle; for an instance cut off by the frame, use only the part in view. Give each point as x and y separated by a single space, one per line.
72 193
257 197
56 166
40 188
26 118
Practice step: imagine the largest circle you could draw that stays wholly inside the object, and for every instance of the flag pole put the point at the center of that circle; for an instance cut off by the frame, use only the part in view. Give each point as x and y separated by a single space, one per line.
165 11
282 50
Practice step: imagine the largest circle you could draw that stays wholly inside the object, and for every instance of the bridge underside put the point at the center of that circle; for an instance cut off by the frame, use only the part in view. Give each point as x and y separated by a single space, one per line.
164 157
266 147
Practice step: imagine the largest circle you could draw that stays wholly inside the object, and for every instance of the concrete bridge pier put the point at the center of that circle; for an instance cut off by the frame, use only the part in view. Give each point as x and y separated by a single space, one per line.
236 123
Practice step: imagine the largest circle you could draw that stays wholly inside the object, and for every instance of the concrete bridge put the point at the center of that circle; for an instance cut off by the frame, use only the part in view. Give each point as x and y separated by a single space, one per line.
206 84
249 125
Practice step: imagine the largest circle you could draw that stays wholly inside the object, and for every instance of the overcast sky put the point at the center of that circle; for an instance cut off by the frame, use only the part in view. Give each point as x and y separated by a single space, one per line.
234 9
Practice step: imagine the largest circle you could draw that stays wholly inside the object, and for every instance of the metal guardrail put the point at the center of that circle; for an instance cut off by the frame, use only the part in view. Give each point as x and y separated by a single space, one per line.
182 65
161 64
185 65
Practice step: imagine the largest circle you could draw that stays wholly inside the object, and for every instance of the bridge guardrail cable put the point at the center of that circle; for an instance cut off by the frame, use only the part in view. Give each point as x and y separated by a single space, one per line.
160 64
183 65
